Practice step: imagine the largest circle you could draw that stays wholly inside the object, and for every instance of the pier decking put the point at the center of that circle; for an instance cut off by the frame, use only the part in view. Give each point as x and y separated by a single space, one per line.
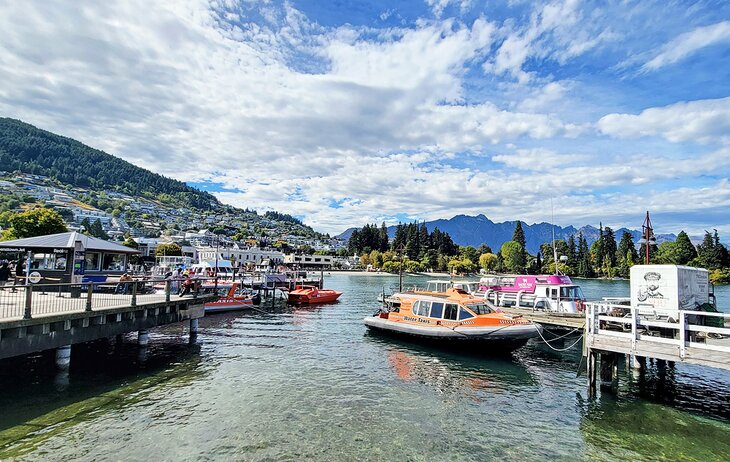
38 318
550 319
693 337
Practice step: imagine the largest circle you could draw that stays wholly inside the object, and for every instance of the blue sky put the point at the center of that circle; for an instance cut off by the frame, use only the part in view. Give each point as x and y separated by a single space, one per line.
346 112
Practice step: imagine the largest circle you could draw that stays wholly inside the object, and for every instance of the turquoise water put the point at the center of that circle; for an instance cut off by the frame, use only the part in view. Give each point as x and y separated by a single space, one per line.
314 384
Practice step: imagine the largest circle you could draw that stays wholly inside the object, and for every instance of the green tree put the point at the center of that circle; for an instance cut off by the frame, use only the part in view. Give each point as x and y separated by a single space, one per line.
488 261
686 251
626 254
97 230
461 266
513 256
583 256
129 242
470 253
519 237
171 249
609 246
36 222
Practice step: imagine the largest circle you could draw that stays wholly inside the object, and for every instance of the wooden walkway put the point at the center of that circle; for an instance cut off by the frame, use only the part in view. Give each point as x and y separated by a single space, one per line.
692 337
550 319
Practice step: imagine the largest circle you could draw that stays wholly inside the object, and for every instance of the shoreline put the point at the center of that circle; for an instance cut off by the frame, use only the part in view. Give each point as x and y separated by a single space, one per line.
383 273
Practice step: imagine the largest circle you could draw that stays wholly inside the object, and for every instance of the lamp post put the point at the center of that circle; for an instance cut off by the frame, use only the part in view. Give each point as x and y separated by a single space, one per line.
648 238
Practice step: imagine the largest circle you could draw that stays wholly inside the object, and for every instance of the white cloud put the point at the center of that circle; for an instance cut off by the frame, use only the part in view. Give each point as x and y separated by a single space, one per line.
558 30
379 119
438 6
704 121
689 43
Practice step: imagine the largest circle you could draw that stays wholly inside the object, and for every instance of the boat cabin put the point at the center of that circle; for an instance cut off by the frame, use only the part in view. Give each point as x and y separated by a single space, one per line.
548 292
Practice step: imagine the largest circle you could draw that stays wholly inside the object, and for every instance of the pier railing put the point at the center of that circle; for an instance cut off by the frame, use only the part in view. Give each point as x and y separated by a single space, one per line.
673 332
31 300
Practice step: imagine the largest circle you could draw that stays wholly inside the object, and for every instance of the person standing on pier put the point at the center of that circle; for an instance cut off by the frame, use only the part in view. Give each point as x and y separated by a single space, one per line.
4 274
19 272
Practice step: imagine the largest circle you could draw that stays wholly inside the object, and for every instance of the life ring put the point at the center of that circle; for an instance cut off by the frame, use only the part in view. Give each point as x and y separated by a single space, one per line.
579 306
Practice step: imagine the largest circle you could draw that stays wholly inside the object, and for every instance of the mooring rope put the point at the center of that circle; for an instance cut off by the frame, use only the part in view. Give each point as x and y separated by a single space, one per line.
558 349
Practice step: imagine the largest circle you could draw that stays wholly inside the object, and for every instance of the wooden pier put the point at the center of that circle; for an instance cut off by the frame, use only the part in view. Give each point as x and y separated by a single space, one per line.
35 318
692 337
550 319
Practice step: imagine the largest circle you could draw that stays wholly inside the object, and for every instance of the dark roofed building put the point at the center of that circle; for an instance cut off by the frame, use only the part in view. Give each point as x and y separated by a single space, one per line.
53 255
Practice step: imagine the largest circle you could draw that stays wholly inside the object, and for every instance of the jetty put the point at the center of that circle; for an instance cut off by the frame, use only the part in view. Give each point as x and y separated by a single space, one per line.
689 336
39 317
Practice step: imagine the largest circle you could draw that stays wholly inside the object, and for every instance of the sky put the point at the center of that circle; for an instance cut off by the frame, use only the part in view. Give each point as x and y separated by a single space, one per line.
344 113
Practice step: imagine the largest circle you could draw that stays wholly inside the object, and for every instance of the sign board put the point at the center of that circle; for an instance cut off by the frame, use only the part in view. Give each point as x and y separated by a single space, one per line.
34 277
664 289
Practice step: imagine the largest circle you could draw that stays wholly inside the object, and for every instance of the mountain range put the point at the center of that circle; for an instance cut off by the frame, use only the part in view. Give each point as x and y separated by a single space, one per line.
477 230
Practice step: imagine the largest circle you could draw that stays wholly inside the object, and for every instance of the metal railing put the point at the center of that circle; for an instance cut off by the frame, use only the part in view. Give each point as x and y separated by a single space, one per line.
684 329
30 300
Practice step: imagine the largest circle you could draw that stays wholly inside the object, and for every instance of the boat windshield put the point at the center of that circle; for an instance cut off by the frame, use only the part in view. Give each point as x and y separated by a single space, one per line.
571 293
479 308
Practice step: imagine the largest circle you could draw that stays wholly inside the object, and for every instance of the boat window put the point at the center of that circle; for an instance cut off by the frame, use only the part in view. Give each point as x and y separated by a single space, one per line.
464 314
451 311
480 308
437 309
421 308
571 293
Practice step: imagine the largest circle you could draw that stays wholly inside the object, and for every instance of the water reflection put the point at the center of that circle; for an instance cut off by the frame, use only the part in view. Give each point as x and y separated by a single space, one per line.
691 388
635 429
36 396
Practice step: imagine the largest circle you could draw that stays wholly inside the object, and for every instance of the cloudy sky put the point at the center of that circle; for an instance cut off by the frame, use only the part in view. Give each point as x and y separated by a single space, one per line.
345 112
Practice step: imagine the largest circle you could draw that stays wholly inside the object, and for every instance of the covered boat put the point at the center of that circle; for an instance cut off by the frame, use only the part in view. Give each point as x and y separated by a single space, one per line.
547 292
232 301
312 294
452 316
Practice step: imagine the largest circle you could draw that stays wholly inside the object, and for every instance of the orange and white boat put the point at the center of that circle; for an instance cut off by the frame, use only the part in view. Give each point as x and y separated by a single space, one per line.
312 294
452 316
231 301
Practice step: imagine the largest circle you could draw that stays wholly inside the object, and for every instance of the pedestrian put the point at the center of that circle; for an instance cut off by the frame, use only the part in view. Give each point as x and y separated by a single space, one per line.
123 286
19 273
4 274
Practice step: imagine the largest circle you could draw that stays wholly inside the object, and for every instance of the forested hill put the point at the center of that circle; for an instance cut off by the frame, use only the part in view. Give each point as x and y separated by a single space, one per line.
32 150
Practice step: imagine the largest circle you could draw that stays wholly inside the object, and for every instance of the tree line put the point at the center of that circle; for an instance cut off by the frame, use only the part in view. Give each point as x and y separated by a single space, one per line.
607 258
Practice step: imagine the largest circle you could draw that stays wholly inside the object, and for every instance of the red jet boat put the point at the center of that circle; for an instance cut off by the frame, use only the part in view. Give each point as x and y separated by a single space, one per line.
311 295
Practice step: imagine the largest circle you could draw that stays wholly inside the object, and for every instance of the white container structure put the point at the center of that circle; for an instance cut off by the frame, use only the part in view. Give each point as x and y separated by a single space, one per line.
663 290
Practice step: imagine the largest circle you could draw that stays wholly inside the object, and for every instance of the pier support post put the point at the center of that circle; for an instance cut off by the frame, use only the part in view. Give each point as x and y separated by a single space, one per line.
591 373
143 337
609 371
63 357
193 330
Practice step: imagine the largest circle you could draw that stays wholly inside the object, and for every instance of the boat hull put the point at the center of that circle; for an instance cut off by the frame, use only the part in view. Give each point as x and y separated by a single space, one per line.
302 299
221 307
499 338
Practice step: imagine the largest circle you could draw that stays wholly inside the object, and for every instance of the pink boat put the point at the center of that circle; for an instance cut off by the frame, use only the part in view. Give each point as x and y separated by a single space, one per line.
547 292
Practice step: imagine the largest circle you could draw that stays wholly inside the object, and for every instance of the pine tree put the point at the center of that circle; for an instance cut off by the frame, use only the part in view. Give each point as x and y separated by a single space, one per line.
519 237
684 249
383 238
572 252
609 246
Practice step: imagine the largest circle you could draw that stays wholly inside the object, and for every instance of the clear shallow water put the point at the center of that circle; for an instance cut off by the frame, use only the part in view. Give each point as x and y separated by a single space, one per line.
313 384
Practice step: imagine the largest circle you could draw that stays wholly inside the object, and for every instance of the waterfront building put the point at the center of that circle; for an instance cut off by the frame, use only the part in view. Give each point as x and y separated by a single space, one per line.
57 257
309 261
240 257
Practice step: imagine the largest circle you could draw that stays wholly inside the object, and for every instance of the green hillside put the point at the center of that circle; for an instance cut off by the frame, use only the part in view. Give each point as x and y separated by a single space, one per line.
32 150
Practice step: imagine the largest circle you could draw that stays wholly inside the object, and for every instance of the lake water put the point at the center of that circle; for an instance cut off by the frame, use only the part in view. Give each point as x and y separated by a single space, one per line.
313 384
